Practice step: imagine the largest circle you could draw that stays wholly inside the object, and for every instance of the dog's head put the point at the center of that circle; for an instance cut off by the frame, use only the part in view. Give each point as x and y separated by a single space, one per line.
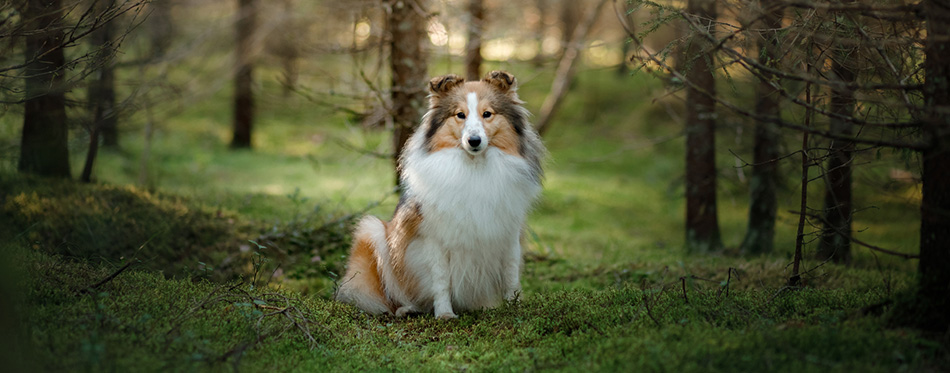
475 115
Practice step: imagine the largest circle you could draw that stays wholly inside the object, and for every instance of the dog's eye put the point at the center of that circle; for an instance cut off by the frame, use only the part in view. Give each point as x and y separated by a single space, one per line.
486 115
460 115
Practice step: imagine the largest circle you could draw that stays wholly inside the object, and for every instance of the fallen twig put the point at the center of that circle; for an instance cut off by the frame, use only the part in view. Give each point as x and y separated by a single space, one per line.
95 286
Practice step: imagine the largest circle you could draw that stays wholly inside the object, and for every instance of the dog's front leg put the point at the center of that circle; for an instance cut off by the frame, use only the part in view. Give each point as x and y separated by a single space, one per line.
513 272
441 283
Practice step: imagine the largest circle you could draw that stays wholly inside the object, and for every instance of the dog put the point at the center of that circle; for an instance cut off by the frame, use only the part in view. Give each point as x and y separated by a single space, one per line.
470 174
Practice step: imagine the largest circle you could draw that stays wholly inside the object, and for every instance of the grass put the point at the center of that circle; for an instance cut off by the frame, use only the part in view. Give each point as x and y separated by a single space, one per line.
607 285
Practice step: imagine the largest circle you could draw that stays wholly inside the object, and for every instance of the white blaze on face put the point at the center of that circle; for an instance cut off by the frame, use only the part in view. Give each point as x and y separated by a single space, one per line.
473 138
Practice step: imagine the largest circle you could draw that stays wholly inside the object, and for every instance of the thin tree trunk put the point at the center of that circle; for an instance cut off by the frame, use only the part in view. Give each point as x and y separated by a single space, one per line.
837 214
570 18
473 47
43 146
160 28
795 280
934 262
564 74
147 143
86 175
102 94
702 222
763 203
244 77
542 6
289 47
105 110
407 33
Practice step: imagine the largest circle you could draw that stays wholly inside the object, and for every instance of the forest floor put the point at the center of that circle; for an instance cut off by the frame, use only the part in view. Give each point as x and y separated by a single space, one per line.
213 259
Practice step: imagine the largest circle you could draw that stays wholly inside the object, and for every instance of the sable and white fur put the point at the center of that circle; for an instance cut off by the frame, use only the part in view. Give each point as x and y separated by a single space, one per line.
470 174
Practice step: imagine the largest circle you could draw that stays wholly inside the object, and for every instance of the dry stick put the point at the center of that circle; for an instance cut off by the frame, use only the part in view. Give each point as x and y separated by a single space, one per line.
565 71
683 280
796 280
857 241
729 280
107 279
646 302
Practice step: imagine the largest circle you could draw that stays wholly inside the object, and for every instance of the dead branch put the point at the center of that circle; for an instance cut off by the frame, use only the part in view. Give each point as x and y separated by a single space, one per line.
565 70
685 297
90 288
796 280
652 57
855 240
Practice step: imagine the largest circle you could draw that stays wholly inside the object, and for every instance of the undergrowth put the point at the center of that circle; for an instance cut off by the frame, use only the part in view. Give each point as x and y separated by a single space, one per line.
141 321
156 231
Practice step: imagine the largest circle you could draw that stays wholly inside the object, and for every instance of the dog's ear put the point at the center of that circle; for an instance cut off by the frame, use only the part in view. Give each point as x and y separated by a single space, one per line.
441 85
501 80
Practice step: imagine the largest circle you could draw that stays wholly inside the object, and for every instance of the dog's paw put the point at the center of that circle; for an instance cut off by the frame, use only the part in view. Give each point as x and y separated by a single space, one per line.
404 310
446 316
513 296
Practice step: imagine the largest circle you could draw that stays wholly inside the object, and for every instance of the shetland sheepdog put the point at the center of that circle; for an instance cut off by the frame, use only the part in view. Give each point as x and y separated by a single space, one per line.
469 175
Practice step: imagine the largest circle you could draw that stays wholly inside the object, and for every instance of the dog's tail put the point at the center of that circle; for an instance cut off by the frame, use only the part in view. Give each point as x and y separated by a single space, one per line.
362 285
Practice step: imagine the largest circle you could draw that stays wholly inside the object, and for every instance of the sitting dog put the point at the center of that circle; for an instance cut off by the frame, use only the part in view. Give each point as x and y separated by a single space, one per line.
470 174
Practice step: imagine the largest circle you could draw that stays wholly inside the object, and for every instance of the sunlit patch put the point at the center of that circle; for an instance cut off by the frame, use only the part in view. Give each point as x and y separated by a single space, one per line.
499 49
362 31
437 33
600 54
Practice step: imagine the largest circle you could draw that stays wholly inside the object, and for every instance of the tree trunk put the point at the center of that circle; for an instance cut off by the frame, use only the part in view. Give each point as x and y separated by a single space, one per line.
407 34
763 203
934 264
835 243
473 47
243 76
571 11
542 7
160 28
289 47
102 94
43 146
702 224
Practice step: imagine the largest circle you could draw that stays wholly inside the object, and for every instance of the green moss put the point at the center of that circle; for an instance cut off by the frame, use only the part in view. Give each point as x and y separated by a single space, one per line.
114 223
142 321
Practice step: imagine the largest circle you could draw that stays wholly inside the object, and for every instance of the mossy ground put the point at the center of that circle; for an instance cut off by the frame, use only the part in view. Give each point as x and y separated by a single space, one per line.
607 285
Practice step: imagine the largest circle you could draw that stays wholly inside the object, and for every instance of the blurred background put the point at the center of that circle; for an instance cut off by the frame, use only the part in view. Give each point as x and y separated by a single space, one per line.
215 133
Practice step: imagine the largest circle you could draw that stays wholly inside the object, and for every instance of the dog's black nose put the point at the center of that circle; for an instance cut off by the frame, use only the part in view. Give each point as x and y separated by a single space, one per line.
474 141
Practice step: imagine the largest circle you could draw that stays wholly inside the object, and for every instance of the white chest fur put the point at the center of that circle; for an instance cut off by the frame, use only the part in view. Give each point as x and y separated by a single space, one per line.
473 211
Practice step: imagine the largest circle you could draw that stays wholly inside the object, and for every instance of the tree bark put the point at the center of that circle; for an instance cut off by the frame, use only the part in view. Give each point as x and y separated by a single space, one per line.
473 47
702 223
763 203
244 76
934 267
834 244
43 145
408 57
